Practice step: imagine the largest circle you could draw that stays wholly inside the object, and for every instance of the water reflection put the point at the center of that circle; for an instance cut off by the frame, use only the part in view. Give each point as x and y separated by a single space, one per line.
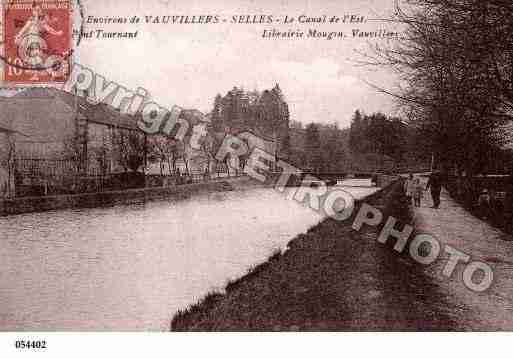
132 267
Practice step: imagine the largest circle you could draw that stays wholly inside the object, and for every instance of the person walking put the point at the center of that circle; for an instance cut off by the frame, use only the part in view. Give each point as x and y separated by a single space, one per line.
484 204
435 184
418 192
409 188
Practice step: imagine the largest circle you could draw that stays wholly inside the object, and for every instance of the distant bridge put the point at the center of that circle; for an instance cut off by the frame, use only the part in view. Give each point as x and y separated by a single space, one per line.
351 179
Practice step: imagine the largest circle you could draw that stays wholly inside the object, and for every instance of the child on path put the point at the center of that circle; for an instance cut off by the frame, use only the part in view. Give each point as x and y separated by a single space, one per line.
409 188
418 192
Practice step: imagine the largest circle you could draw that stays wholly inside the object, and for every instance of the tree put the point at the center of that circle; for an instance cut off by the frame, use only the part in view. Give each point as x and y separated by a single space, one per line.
357 134
313 148
286 145
73 151
456 63
164 149
7 166
273 119
207 150
101 154
217 114
333 157
131 148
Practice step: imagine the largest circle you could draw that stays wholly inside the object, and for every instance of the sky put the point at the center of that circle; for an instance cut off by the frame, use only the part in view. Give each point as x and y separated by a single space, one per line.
187 65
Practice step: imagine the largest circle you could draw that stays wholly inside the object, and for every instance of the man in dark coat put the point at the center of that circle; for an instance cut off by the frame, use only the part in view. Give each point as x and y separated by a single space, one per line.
435 184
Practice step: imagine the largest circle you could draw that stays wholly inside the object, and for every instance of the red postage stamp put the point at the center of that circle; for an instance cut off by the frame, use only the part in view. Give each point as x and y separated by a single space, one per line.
37 40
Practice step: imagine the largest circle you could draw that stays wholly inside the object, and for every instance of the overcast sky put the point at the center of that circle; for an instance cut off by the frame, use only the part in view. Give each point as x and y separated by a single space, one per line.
187 65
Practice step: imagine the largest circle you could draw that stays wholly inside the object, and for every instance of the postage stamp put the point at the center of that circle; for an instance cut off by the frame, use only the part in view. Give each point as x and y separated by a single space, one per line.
37 46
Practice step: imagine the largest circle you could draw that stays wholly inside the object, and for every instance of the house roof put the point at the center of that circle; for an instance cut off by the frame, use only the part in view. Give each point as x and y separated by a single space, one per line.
97 113
34 118
47 115
21 111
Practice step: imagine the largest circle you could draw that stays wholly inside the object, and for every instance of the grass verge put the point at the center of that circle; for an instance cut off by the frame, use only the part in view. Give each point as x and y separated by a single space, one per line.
330 278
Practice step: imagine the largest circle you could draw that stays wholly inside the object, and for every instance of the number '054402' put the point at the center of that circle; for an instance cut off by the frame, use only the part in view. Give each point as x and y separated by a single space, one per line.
30 344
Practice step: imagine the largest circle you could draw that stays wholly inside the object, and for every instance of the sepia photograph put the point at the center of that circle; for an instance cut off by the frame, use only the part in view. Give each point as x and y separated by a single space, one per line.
235 166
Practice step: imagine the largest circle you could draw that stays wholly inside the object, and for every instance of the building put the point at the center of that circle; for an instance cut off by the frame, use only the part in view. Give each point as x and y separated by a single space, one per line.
66 137
71 143
169 156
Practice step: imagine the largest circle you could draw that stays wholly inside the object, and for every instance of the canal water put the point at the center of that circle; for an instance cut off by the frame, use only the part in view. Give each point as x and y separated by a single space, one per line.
132 267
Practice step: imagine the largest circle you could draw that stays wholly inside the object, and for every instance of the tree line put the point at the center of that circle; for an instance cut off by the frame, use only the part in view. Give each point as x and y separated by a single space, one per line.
318 148
455 65
379 134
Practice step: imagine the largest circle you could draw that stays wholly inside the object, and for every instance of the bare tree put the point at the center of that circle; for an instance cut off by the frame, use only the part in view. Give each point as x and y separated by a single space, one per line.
165 150
131 148
455 63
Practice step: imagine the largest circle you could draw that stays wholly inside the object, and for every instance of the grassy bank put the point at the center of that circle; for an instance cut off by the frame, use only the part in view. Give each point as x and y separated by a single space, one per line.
331 278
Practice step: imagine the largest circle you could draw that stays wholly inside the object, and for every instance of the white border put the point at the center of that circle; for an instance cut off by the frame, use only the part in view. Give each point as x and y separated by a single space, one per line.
260 345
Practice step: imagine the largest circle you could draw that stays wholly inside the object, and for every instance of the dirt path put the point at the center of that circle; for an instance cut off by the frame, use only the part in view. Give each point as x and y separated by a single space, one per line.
454 226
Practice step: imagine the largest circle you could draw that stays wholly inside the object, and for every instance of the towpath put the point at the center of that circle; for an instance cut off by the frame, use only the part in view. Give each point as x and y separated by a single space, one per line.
454 226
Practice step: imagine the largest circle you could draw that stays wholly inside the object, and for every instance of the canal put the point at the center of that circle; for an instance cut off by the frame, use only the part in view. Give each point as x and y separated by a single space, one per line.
131 267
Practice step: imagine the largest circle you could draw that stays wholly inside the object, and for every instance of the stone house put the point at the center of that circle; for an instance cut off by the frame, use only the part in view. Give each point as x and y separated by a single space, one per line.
63 133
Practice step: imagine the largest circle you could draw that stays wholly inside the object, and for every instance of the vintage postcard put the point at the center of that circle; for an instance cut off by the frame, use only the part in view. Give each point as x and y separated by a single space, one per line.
284 166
